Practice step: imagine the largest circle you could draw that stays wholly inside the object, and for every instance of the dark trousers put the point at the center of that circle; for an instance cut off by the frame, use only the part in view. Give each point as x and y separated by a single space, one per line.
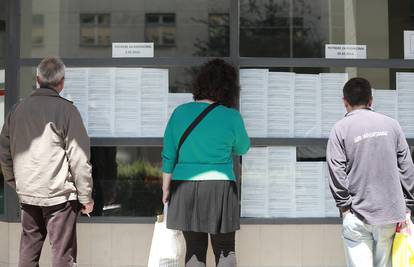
197 244
60 222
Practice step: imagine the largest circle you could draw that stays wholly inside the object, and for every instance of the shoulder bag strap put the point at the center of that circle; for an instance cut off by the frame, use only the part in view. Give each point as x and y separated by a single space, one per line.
193 125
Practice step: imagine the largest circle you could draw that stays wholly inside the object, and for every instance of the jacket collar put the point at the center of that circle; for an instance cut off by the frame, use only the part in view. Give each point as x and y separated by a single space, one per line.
357 111
45 92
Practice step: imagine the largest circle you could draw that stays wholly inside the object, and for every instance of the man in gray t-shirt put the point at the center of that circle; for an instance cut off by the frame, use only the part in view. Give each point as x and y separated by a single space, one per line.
371 177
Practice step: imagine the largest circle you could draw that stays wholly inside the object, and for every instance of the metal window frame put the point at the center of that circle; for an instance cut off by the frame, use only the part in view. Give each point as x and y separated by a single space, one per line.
14 62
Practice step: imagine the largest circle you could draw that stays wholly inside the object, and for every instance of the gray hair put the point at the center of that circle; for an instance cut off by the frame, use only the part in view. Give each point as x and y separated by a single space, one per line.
50 71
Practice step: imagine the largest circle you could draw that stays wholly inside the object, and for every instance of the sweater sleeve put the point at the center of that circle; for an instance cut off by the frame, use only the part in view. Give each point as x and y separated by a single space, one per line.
336 159
169 147
241 140
406 168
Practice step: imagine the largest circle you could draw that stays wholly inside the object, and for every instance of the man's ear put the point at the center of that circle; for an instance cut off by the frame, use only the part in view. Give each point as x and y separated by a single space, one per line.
38 82
346 103
370 101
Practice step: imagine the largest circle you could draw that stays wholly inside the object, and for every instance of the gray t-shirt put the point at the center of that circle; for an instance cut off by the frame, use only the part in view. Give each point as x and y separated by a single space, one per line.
370 167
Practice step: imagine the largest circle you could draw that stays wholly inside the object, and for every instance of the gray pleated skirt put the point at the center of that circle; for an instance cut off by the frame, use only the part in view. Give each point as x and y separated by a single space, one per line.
204 206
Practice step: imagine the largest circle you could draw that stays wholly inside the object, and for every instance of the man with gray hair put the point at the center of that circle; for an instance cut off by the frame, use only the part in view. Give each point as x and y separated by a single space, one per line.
44 155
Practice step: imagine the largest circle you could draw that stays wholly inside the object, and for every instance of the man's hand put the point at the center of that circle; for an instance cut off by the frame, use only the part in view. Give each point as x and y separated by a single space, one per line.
87 208
345 211
406 226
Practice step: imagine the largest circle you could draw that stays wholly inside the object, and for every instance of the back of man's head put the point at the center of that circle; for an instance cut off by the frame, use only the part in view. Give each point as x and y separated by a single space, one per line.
357 92
50 72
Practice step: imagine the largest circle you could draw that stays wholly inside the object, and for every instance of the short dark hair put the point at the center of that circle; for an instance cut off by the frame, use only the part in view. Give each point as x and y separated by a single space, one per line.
217 81
357 91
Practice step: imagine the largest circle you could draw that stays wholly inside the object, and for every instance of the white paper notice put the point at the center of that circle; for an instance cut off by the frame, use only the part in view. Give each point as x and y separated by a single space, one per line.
385 102
254 186
101 85
307 106
408 44
345 51
120 50
127 102
253 102
177 99
280 104
76 90
154 102
281 181
405 96
310 189
332 105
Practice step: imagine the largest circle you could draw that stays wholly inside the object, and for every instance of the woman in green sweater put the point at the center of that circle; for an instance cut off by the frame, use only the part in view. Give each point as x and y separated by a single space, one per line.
200 186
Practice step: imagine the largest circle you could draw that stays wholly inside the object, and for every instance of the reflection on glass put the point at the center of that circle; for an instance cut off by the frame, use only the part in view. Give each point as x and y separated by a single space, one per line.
160 29
281 28
300 28
127 181
95 30
311 153
86 28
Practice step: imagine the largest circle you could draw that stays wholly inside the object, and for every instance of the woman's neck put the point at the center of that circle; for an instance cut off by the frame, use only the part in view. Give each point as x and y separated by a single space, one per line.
205 101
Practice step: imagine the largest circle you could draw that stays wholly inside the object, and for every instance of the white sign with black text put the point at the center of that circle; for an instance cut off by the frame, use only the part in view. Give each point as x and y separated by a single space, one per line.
345 51
125 50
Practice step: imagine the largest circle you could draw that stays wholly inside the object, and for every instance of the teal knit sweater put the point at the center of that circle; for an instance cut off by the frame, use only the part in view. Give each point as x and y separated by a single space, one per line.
207 152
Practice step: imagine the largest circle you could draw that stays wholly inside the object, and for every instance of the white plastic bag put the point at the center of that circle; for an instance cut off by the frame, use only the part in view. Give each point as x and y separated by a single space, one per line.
167 247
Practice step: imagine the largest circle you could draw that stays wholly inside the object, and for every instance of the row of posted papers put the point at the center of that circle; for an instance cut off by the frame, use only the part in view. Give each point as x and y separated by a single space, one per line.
135 102
285 104
122 102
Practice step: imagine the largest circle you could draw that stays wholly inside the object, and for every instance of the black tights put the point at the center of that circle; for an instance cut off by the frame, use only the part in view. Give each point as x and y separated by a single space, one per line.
223 248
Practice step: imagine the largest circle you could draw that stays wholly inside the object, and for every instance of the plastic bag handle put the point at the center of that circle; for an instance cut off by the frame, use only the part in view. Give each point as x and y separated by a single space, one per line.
165 210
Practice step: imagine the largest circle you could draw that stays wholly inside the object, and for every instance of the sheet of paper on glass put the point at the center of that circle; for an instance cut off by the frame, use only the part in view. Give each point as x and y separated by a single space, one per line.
101 91
405 100
310 189
408 44
281 182
253 100
307 105
127 102
76 90
177 99
254 196
385 102
280 104
154 102
332 107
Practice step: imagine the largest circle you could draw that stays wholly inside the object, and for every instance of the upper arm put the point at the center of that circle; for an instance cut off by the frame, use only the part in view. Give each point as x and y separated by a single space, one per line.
241 140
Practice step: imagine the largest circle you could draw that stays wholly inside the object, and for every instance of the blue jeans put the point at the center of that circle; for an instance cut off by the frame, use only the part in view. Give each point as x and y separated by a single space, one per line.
367 245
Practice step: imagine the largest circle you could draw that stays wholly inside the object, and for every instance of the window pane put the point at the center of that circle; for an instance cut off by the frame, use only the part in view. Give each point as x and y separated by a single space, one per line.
127 181
307 102
86 28
298 28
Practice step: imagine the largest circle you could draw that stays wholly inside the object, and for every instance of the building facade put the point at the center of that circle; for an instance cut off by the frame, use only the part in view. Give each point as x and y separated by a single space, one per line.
278 46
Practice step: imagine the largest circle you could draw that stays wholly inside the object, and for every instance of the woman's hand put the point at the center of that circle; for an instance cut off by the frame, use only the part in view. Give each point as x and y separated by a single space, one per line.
166 182
165 195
